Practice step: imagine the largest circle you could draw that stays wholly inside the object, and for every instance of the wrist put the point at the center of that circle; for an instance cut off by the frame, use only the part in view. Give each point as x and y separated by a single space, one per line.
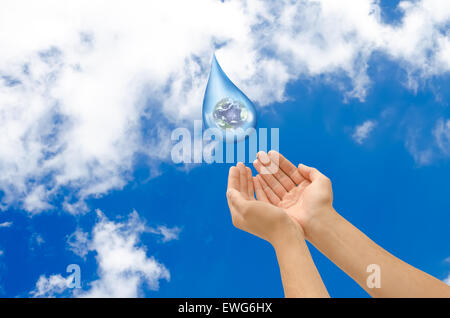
290 233
321 222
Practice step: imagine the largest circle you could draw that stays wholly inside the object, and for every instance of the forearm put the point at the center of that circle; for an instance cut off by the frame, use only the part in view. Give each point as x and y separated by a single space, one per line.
354 252
298 273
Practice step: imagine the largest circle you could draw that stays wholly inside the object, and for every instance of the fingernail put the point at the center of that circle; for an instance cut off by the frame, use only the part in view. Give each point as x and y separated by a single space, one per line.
263 157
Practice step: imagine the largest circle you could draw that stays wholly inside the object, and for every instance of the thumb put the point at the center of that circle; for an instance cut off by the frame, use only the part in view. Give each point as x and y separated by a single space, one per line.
309 173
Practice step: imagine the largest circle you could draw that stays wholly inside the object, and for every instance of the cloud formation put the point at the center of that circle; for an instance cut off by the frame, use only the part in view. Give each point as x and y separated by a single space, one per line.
86 86
442 135
362 131
435 145
6 224
78 243
167 234
51 286
447 280
124 267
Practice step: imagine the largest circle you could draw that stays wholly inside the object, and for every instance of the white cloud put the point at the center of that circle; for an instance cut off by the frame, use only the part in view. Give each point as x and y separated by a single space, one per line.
123 264
324 37
441 134
423 155
426 150
78 243
447 280
51 286
6 224
80 81
168 234
38 239
36 200
362 131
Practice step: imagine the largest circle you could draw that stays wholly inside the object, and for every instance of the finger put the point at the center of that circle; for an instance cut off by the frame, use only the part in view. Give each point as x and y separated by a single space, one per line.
260 194
268 167
270 180
309 173
262 156
234 178
243 179
273 198
236 203
287 167
279 174
251 192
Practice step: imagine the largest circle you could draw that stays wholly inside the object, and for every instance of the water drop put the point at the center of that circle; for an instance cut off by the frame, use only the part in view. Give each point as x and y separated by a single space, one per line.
226 107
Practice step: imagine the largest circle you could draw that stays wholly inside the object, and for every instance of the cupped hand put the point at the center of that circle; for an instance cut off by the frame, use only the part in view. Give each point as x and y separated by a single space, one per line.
259 218
303 192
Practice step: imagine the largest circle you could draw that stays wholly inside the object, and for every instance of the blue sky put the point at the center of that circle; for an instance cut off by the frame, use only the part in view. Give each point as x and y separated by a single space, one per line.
389 178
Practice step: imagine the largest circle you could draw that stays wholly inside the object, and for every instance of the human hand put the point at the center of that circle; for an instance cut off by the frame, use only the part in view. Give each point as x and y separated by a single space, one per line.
303 192
259 218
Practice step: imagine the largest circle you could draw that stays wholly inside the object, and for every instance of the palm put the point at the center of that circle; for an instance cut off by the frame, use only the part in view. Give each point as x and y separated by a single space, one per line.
258 218
288 188
295 202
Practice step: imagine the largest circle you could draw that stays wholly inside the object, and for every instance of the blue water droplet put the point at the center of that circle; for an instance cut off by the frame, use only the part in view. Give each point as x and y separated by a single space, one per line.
226 107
